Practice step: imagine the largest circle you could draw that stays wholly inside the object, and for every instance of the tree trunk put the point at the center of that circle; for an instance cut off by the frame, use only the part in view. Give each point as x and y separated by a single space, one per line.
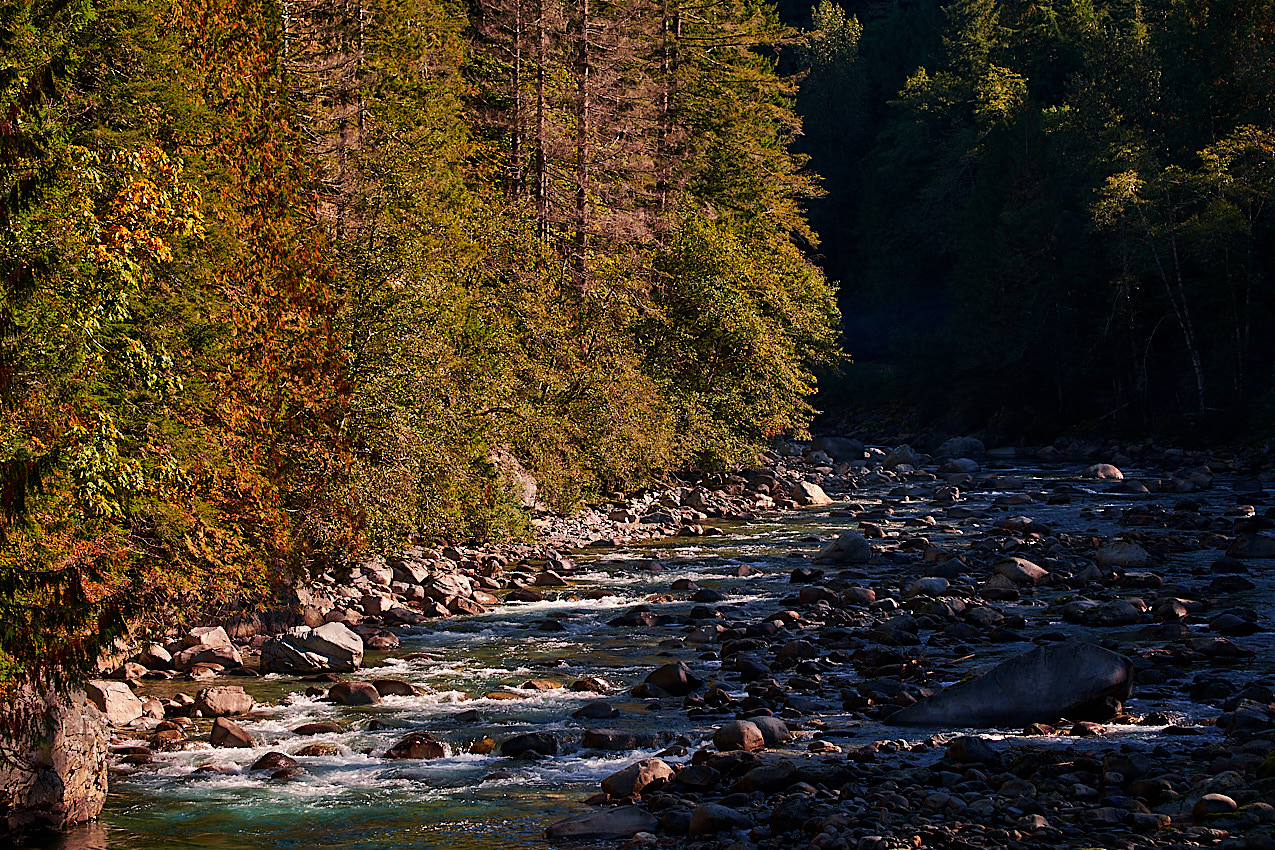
583 118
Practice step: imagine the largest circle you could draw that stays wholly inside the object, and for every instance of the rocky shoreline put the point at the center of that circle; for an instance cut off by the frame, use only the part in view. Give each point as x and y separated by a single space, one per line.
878 618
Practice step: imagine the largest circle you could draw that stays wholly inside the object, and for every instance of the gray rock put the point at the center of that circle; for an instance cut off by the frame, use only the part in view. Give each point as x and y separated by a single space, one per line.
622 822
332 647
1039 686
676 679
902 455
223 701
632 779
739 735
710 818
1123 554
849 547
773 730
809 494
541 743
416 745
115 700
53 775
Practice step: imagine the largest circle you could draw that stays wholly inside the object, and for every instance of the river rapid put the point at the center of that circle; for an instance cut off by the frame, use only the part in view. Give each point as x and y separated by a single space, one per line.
354 798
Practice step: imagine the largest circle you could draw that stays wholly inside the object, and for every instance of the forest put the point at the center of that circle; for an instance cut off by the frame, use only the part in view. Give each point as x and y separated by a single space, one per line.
283 282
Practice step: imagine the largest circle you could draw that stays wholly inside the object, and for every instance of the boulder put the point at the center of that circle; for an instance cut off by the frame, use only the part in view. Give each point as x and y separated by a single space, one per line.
1104 471
206 637
1252 546
1039 686
416 745
393 688
773 730
227 734
739 735
332 648
530 743
904 454
1123 554
155 657
1022 572
632 779
809 494
115 700
622 822
676 679
223 701
609 739
273 761
961 447
710 818
354 693
53 775
768 777
839 448
849 547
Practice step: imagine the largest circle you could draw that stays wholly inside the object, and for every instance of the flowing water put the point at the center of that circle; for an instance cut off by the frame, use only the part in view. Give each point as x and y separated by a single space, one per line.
358 800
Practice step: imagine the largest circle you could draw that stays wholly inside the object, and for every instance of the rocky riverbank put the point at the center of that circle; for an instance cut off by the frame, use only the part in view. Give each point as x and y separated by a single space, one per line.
936 567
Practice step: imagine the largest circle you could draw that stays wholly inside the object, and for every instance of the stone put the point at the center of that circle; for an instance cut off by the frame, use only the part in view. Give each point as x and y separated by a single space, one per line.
354 693
393 688
528 743
767 778
596 710
773 730
903 455
839 448
609 739
637 776
115 700
849 547
621 822
1252 546
739 735
1211 805
961 447
319 750
416 745
227 734
710 818
332 648
273 761
206 637
318 729
676 679
155 657
1123 554
1104 471
54 774
970 749
1039 686
1021 572
223 701
809 494
928 586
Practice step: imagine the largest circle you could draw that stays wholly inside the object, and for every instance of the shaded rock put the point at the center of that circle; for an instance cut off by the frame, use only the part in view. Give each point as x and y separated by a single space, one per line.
1044 684
275 761
970 749
849 547
354 693
332 647
961 447
115 700
769 777
54 775
319 750
1211 805
1104 471
739 735
318 729
622 822
416 745
999 589
609 739
1252 546
393 688
597 710
809 494
839 448
632 779
675 679
1123 554
541 743
223 701
773 730
227 734
1021 572
710 818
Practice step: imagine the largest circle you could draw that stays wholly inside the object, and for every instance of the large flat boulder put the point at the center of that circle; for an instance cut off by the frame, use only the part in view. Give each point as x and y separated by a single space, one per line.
115 700
1049 682
223 701
622 822
332 647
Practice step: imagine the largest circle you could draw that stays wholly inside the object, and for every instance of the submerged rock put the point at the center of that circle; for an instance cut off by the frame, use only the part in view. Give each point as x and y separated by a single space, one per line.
1041 685
538 743
624 822
417 745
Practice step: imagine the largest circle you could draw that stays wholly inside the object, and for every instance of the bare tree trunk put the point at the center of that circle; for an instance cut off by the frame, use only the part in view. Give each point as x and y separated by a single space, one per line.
583 117
542 130
514 178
